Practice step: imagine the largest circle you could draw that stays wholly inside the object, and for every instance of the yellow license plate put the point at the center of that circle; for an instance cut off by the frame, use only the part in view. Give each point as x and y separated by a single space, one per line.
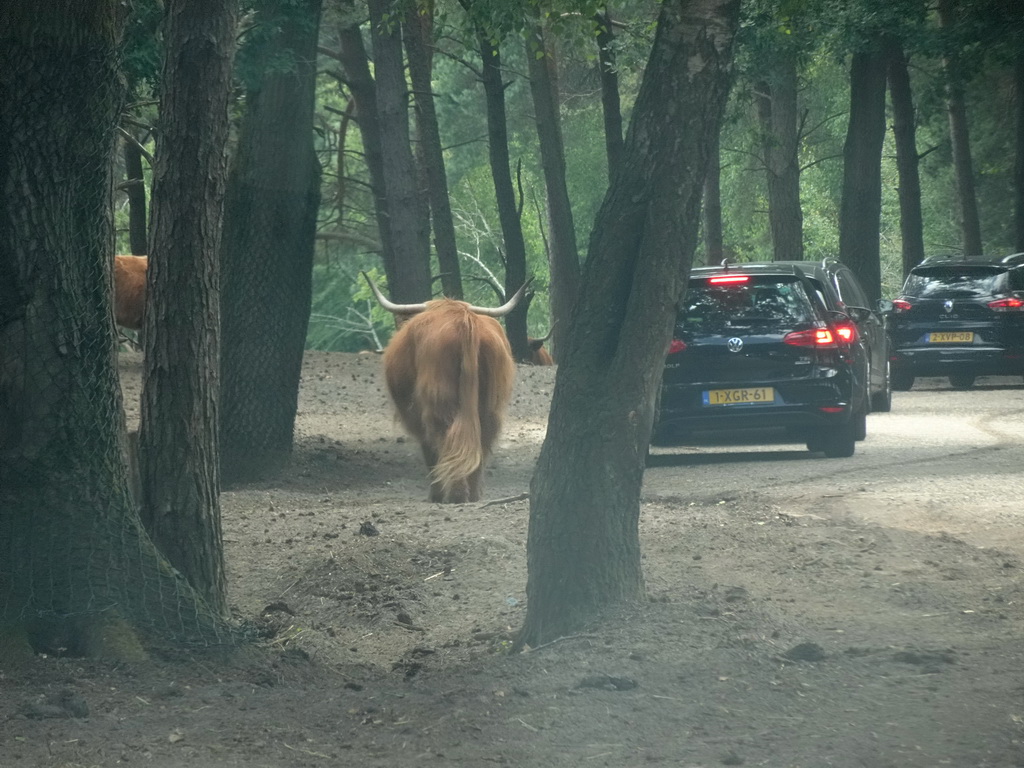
748 396
951 337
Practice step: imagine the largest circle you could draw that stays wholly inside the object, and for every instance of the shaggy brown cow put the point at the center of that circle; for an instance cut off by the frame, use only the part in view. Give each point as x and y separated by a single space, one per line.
539 355
449 371
130 290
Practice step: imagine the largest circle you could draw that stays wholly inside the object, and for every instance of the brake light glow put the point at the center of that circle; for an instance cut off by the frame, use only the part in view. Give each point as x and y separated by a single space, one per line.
729 279
1009 304
847 333
821 338
677 345
901 305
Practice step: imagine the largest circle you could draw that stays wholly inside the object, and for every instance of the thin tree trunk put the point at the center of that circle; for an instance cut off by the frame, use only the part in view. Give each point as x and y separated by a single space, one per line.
959 136
777 110
270 213
407 218
905 134
861 205
356 63
138 232
610 106
77 570
509 212
1018 168
583 547
713 236
418 32
564 257
178 445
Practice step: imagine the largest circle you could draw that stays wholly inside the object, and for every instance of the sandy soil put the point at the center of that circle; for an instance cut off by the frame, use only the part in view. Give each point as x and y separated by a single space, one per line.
778 632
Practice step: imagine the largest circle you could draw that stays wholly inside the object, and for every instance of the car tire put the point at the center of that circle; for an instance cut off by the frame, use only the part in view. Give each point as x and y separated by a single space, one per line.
962 380
859 425
881 402
902 381
836 443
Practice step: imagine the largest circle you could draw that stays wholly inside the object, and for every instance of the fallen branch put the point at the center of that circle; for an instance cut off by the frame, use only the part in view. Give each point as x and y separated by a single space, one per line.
506 500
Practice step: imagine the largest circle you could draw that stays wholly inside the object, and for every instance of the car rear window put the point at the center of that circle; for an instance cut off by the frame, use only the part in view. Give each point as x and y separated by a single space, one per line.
954 282
756 302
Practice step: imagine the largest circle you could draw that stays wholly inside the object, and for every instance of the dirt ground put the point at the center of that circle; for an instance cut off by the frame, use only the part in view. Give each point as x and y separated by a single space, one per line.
777 632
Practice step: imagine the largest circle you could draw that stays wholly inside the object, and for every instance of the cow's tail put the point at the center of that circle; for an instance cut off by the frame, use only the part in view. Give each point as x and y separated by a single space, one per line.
461 451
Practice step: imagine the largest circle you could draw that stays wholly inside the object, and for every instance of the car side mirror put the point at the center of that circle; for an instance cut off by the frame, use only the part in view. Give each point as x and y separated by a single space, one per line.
858 314
885 306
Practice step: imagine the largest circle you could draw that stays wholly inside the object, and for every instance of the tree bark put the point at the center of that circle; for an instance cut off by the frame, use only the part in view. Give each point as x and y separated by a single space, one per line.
270 214
509 211
77 569
419 24
905 134
713 237
583 546
861 206
776 99
959 136
138 231
1018 167
407 217
611 108
178 444
563 259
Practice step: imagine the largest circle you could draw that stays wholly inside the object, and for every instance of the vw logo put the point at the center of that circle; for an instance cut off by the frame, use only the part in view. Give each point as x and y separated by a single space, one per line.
735 344
947 306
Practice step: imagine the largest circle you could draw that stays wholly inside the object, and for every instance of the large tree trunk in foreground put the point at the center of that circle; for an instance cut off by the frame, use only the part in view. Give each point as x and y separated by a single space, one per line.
272 200
77 570
564 258
905 135
1018 166
780 137
861 207
584 548
179 458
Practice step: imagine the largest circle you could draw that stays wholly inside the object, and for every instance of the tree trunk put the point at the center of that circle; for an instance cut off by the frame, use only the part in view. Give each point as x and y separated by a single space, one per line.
776 99
270 213
138 231
178 446
610 106
564 259
509 212
355 61
419 26
713 237
959 136
861 206
905 134
407 219
77 570
583 546
1018 168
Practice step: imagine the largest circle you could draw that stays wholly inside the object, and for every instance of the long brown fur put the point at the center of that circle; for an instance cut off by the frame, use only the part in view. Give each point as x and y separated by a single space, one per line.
130 290
450 374
538 354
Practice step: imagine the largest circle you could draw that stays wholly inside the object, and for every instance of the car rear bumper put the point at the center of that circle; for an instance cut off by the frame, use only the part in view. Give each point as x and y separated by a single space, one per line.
981 361
673 428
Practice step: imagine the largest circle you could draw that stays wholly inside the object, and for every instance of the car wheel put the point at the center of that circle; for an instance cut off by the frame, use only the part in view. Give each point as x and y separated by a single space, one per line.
962 380
882 401
902 381
836 443
860 426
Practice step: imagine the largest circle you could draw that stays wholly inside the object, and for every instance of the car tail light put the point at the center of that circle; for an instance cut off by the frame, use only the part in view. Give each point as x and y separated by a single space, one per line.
729 279
847 333
901 305
1009 304
819 338
677 345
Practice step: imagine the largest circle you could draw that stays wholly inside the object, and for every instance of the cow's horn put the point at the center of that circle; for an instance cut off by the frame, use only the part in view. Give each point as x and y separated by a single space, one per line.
390 306
505 308
550 331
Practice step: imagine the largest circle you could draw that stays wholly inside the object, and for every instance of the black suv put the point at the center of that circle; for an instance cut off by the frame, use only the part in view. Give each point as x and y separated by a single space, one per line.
960 317
757 346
